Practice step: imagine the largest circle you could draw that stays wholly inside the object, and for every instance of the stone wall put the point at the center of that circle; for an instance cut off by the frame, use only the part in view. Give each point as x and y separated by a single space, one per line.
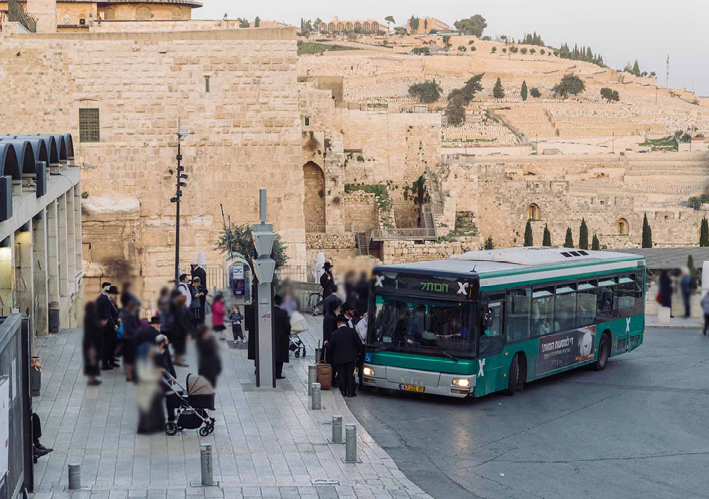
361 211
245 133
411 251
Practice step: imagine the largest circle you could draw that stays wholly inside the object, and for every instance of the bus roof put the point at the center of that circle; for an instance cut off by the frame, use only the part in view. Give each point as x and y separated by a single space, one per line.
517 261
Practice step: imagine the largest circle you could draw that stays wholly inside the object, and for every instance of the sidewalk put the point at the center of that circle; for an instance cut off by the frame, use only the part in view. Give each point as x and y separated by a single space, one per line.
651 322
267 443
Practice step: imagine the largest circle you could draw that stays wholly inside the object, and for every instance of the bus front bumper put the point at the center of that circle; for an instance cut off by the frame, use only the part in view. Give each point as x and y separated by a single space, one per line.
413 380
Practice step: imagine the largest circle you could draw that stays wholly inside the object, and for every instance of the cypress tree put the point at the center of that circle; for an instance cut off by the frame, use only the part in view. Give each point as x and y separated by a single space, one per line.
647 233
569 243
498 92
690 265
583 235
595 245
528 236
547 236
704 233
489 245
524 90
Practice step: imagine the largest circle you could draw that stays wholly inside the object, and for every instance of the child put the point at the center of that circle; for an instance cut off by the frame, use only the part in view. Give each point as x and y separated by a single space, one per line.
236 319
218 313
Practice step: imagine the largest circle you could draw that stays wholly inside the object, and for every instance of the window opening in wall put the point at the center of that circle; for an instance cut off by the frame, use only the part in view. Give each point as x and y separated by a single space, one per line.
89 125
307 121
533 212
206 84
622 226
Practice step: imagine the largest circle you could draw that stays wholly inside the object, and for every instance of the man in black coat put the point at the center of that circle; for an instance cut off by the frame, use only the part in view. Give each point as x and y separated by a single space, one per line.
345 345
198 271
327 281
281 335
106 317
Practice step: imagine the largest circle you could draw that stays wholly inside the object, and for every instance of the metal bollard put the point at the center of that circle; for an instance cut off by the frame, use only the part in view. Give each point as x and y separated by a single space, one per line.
351 444
337 429
205 454
74 477
316 397
312 377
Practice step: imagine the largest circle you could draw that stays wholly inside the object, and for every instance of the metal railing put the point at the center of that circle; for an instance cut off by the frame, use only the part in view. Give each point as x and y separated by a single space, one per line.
17 14
411 234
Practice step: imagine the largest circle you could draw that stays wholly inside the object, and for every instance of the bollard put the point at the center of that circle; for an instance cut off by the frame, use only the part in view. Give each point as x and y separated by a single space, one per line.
316 397
337 429
312 377
205 454
74 477
351 444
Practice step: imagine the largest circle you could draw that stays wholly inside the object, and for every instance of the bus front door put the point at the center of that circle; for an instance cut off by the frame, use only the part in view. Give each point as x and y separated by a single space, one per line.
489 347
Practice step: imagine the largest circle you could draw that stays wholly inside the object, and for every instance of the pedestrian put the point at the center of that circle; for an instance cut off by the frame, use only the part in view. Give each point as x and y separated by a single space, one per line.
198 291
345 345
163 359
182 327
705 309
148 394
105 317
183 286
329 325
687 284
92 344
198 270
290 302
281 330
218 313
326 280
127 295
333 297
236 319
349 311
164 313
116 317
209 363
361 329
362 290
665 292
131 328
38 450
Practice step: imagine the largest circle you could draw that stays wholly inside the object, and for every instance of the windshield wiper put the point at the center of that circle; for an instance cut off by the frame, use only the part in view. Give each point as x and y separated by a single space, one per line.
455 359
382 349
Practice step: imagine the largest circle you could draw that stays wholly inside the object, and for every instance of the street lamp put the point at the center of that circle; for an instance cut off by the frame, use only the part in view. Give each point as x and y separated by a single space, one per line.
179 176
265 267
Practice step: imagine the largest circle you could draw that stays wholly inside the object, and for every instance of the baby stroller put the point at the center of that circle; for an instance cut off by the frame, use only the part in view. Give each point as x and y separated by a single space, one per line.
194 403
298 325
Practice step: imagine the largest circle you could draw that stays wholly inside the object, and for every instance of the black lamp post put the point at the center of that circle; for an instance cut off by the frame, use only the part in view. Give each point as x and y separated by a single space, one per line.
179 184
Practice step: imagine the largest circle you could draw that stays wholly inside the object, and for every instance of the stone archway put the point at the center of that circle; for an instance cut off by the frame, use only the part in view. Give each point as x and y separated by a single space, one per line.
622 227
533 212
314 206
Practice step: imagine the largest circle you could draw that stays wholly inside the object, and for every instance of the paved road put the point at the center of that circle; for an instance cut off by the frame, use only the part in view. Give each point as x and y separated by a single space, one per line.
636 430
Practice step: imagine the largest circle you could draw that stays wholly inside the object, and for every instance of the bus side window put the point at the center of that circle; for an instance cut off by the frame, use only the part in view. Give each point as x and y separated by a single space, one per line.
607 298
517 314
542 311
565 307
627 296
586 303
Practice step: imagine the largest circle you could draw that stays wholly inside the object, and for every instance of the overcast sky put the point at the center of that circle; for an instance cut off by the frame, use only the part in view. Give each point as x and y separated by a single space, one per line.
620 30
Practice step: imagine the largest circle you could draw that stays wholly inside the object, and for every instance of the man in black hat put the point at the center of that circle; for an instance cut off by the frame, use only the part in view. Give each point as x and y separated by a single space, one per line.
281 336
106 318
326 280
345 345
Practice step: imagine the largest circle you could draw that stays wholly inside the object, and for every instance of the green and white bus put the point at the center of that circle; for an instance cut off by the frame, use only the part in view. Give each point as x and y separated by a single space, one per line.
489 321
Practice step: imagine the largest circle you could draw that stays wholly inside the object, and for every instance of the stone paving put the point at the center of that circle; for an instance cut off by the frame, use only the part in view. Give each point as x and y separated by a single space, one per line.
267 443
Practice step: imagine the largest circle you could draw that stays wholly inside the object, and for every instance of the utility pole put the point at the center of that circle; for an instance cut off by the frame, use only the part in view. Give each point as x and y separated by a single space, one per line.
264 266
179 176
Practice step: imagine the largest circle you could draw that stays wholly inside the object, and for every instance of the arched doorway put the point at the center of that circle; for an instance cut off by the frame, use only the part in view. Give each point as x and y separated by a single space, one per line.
533 212
621 227
314 206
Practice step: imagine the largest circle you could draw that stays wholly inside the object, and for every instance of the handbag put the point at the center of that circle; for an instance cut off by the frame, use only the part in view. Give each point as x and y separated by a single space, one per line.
659 298
119 332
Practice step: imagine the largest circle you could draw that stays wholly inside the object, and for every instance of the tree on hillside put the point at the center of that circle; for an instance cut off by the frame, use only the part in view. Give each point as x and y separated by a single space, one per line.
493 50
542 52
461 97
462 48
532 51
636 68
390 21
497 91
583 235
257 22
704 233
647 233
447 40
427 92
470 42
595 244
523 50
398 30
546 239
610 95
244 23
489 245
569 242
528 236
534 92
240 238
472 26
570 84
414 23
523 93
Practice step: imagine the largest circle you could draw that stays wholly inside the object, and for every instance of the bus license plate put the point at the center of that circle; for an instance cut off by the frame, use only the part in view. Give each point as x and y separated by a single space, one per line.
412 388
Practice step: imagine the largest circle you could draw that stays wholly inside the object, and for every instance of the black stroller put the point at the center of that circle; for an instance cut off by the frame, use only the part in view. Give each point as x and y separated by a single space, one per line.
194 403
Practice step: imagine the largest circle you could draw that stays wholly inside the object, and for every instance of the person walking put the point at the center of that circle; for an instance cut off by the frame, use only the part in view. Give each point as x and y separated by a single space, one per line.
106 319
687 284
182 327
665 292
92 344
326 280
197 291
329 325
345 345
218 313
164 313
281 329
198 271
705 310
130 326
361 329
236 319
208 361
163 360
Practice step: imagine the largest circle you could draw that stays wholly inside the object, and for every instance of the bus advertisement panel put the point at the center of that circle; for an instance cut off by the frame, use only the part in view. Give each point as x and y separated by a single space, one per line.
565 349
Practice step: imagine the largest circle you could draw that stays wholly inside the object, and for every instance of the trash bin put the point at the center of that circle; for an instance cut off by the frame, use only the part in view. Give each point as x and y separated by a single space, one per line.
54 317
35 376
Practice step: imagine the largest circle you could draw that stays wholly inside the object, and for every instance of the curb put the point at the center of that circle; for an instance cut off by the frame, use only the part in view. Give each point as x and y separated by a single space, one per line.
670 326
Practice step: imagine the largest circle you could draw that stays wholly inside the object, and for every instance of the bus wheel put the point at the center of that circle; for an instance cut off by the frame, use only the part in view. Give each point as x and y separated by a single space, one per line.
513 376
604 350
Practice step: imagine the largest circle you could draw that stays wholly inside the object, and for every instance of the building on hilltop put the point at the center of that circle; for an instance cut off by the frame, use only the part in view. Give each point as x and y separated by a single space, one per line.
358 26
427 25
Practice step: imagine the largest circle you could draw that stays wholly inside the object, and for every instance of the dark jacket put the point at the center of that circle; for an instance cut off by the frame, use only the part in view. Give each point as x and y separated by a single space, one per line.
182 327
281 334
250 323
202 274
345 345
665 291
210 364
105 310
329 324
93 345
130 326
326 282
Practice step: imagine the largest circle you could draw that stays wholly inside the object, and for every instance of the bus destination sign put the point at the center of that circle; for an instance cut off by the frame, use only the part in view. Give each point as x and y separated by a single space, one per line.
451 287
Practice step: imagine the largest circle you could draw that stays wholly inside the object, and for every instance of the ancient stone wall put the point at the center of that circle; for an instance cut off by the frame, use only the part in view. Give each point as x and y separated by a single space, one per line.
245 131
411 251
361 212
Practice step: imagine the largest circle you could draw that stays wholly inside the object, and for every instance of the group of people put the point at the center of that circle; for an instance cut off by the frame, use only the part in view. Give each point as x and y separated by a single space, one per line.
344 329
114 330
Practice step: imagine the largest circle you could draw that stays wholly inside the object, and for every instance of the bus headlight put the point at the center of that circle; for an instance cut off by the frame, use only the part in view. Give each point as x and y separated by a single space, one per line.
463 383
368 371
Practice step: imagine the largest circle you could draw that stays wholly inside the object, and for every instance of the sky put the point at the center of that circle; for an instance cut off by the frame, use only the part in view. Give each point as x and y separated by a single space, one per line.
620 30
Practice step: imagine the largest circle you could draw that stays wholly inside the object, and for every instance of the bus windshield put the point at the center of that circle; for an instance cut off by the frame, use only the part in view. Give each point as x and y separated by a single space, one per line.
423 326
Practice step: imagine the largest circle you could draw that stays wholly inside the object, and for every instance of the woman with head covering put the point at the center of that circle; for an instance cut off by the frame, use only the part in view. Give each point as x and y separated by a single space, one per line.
92 344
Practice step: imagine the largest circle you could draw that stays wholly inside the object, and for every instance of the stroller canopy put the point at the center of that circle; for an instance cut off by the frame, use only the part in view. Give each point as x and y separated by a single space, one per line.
198 385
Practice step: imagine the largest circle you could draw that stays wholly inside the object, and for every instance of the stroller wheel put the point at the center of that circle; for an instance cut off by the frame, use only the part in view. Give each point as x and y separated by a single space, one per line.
204 431
210 427
304 352
297 354
171 428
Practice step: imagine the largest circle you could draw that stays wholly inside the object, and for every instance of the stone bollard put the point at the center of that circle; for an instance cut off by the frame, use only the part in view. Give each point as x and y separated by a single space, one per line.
316 397
351 444
312 377
337 429
74 477
205 454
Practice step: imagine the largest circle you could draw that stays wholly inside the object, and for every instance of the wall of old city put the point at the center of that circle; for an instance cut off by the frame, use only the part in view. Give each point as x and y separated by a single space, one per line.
245 132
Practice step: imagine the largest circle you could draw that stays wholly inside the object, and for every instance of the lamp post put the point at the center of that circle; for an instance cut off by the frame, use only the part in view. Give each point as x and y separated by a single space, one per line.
265 267
179 176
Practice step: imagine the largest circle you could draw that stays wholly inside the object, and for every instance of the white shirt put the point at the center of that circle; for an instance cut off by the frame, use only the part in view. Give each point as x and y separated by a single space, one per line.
361 329
185 290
